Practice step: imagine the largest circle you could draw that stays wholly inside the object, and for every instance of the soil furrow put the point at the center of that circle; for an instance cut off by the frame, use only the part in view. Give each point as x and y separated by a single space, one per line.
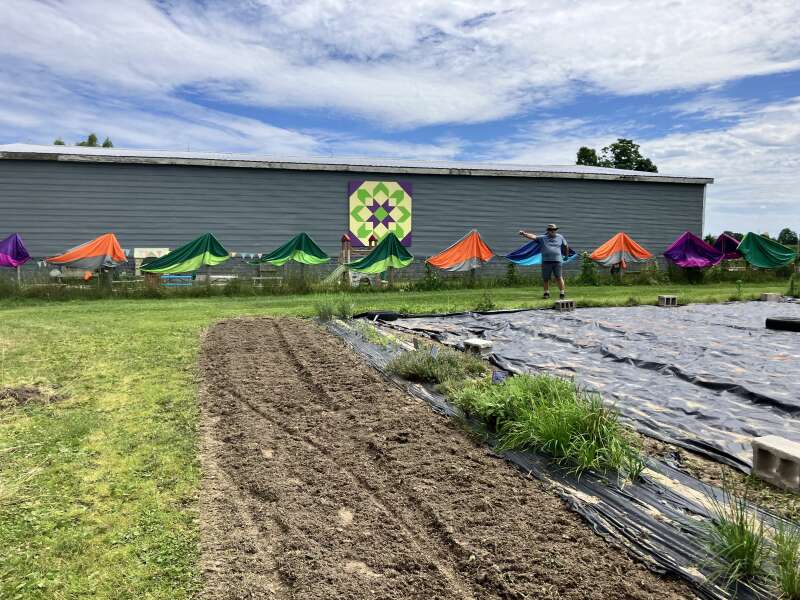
358 490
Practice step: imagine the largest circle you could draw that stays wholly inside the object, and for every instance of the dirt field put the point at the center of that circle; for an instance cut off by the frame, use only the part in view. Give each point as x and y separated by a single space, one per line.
322 480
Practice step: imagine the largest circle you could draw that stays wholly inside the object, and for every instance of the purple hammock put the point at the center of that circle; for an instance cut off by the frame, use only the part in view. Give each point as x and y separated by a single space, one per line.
689 251
13 252
728 245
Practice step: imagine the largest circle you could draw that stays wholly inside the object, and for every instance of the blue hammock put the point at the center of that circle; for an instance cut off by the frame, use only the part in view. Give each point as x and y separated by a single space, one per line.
531 254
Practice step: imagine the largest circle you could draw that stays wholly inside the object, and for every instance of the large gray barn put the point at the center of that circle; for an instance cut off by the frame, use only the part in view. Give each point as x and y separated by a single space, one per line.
58 197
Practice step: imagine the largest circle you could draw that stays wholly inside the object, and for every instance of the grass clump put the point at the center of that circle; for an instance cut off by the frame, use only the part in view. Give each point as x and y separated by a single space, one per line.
787 561
433 364
325 309
345 308
736 536
552 415
486 303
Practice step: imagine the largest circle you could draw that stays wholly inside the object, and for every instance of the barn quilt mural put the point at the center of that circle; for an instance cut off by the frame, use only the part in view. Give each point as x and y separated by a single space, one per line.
378 207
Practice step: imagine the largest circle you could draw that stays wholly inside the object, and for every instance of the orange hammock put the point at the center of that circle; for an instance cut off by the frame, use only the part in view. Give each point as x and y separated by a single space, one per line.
466 254
104 251
620 250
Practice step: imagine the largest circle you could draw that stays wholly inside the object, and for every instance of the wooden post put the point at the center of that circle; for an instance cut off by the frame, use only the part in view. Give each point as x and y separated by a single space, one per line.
19 276
344 258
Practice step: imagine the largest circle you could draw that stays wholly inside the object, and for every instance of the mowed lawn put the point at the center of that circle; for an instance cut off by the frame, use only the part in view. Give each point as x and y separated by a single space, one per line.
98 486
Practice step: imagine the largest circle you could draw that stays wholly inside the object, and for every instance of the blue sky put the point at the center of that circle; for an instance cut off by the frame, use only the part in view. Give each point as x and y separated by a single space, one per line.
709 88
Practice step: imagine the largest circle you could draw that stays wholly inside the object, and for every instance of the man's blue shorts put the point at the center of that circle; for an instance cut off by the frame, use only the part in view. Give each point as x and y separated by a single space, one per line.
551 269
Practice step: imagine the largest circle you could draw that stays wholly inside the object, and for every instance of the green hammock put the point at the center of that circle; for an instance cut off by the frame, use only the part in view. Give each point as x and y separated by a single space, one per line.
763 252
205 250
300 248
389 253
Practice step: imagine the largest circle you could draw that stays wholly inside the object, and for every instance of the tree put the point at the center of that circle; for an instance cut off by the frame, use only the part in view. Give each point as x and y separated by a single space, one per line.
709 239
58 142
587 156
107 143
787 237
90 141
622 154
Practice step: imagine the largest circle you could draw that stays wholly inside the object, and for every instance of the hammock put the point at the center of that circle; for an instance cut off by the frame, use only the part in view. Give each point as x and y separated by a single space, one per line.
763 252
13 252
301 248
102 252
531 254
470 252
620 250
388 253
689 251
728 246
205 250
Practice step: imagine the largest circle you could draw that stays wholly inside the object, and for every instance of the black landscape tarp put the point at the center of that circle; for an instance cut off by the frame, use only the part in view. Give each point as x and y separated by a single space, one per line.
707 377
659 519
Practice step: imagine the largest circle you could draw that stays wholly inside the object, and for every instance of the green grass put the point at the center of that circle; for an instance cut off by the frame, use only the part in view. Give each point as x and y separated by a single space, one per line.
434 364
787 561
98 491
551 415
736 538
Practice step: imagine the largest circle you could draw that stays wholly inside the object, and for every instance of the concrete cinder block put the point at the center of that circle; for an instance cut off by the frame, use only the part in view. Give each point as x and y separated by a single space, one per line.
564 305
770 297
668 301
478 346
777 461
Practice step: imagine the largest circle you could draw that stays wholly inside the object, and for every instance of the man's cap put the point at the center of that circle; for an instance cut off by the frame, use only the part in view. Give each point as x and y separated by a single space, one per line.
552 226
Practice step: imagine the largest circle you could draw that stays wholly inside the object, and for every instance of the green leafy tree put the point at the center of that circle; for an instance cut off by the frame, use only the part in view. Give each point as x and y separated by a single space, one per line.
107 143
90 141
587 156
734 234
622 154
709 239
58 142
787 237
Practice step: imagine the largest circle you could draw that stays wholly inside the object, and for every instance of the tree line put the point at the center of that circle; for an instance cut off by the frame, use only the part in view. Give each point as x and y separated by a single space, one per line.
91 141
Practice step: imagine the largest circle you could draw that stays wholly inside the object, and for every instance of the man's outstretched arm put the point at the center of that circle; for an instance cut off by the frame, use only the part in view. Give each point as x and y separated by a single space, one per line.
525 234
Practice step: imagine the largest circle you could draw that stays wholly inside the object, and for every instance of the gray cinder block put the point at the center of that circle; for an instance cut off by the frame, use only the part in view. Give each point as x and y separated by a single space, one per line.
564 305
771 297
478 346
668 301
777 461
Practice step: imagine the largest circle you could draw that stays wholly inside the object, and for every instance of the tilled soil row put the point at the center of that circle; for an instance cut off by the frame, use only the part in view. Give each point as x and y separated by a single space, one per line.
323 480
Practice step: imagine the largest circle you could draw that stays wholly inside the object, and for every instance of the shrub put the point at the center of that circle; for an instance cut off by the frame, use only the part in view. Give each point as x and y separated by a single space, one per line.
735 536
549 414
344 307
486 303
429 282
588 274
512 275
324 309
794 286
787 561
439 365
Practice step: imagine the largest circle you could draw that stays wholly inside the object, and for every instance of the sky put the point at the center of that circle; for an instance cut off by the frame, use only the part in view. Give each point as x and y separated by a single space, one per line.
707 88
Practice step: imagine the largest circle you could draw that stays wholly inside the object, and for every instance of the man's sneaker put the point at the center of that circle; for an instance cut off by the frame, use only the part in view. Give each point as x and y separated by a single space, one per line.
561 295
546 295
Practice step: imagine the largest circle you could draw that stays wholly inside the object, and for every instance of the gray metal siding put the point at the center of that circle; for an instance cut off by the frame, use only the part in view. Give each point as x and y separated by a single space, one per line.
55 206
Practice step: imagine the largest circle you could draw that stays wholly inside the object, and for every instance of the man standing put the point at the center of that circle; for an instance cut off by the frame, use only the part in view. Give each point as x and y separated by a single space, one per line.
554 248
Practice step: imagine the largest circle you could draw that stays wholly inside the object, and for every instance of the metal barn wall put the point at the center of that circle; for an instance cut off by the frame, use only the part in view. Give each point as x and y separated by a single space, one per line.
58 205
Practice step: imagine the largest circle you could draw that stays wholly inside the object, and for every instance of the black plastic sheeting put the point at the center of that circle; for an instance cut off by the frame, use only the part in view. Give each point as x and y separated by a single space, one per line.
659 519
705 377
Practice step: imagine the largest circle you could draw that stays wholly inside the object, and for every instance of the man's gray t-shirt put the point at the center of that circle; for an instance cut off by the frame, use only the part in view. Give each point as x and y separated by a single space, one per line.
551 247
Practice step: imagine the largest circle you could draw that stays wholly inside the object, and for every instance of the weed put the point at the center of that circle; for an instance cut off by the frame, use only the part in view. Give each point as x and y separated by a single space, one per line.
588 274
344 307
549 414
486 303
739 284
794 287
325 309
512 276
787 561
433 364
735 536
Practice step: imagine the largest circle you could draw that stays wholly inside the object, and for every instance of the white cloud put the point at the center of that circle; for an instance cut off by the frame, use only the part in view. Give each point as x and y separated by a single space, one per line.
403 64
